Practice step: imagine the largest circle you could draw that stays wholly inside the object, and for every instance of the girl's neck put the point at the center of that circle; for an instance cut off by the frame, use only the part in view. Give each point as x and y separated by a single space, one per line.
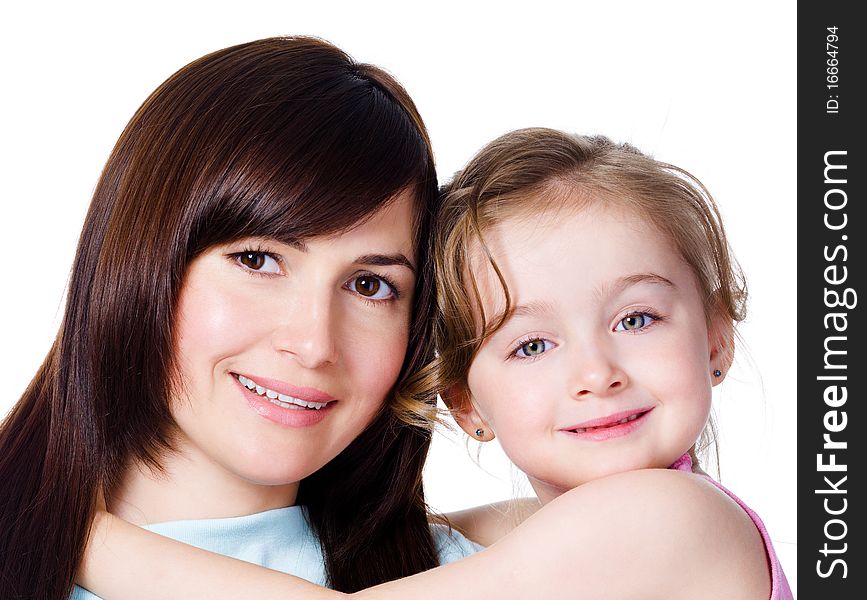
192 486
546 492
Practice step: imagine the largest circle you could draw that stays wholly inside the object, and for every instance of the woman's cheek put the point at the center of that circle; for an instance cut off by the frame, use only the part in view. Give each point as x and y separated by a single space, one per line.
213 323
374 350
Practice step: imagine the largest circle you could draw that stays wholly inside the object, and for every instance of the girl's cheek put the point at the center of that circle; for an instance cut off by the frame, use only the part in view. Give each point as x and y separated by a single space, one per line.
504 393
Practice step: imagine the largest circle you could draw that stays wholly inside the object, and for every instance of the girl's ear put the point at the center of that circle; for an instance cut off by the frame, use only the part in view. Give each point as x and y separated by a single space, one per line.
721 342
457 398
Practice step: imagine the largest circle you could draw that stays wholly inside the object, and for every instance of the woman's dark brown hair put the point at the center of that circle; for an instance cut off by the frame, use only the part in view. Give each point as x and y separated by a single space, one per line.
283 138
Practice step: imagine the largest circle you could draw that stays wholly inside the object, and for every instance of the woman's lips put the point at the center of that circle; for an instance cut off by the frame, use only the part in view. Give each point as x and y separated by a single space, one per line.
307 394
611 426
303 408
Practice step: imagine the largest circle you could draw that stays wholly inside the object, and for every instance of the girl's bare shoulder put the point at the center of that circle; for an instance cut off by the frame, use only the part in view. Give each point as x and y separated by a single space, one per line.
683 495
668 531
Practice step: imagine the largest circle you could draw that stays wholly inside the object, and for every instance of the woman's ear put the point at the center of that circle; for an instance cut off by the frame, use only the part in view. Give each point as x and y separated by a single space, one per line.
457 398
721 342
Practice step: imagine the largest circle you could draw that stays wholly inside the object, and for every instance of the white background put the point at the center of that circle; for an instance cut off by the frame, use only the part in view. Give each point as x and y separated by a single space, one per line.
706 87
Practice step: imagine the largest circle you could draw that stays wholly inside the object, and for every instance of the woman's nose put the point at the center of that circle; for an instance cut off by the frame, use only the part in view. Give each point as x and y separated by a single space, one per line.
308 334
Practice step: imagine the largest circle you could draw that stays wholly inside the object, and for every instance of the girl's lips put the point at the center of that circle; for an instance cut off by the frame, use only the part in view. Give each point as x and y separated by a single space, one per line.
610 419
609 427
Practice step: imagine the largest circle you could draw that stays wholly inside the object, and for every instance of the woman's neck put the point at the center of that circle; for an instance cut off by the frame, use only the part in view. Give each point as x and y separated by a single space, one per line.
191 486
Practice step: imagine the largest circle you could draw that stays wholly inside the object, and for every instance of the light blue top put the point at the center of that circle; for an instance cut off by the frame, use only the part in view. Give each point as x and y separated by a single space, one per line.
280 539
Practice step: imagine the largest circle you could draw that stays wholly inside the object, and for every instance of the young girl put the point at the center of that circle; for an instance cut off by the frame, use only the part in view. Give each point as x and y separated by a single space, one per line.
587 307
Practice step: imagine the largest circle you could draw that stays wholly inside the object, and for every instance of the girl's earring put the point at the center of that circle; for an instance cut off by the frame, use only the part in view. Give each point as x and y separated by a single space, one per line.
717 373
480 433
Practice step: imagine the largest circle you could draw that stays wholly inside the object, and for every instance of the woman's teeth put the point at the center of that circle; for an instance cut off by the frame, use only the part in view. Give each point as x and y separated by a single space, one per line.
620 422
277 398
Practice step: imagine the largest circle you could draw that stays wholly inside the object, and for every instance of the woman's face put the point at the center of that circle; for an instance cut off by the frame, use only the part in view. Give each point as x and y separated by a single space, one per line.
318 331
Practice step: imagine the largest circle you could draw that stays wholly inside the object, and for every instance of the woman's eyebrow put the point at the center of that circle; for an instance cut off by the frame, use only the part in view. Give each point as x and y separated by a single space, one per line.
385 260
293 242
369 260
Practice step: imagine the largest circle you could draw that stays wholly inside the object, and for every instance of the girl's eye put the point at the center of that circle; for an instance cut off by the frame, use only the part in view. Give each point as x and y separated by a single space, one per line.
533 348
261 262
634 322
371 287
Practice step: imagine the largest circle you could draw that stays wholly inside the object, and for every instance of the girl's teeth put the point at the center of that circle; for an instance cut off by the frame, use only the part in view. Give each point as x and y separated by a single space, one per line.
271 394
620 422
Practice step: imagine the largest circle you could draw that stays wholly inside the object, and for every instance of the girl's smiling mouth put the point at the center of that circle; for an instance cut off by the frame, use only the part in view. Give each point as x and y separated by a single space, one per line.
611 426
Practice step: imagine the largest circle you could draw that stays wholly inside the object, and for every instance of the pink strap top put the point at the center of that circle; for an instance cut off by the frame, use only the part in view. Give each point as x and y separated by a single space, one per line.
779 585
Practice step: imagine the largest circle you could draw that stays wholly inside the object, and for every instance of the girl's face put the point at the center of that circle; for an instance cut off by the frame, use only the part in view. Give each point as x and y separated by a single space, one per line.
606 363
318 331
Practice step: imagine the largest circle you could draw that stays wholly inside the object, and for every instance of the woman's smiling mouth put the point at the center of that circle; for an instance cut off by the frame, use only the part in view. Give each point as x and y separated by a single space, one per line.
284 400
285 404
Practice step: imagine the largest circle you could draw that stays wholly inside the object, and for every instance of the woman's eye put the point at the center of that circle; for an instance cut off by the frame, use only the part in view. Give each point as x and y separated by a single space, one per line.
261 262
533 348
371 287
634 322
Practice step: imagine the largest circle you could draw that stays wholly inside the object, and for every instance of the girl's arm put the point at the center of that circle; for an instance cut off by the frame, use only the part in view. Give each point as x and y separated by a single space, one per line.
124 561
643 534
488 523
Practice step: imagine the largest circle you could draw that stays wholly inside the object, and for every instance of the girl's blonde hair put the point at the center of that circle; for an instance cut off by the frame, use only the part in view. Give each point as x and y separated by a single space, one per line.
529 171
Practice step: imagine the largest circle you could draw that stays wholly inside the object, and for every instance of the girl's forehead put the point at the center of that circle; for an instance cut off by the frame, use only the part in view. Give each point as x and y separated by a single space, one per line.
556 203
584 250
569 227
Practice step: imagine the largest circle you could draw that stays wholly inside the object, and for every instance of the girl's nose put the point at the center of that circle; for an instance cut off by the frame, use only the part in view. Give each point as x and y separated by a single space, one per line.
596 372
308 335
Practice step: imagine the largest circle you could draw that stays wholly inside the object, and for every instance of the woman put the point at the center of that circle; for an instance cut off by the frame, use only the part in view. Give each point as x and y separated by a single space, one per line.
262 219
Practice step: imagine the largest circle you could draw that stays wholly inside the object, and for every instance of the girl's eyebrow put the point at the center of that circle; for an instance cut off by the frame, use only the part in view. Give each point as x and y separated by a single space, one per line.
541 307
629 280
535 308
